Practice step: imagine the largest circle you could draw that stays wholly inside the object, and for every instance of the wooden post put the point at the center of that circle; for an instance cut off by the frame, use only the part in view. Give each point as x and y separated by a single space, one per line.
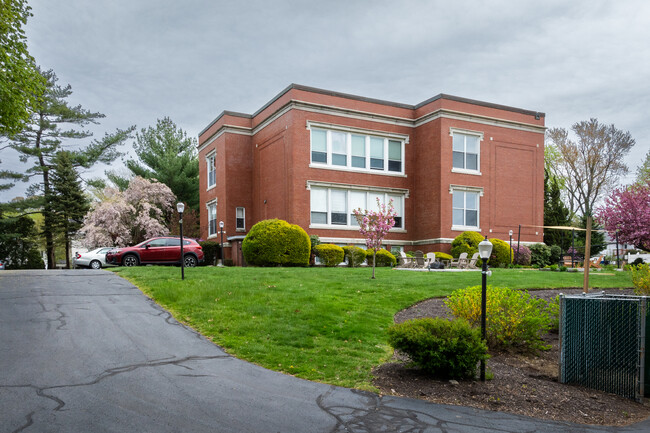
587 262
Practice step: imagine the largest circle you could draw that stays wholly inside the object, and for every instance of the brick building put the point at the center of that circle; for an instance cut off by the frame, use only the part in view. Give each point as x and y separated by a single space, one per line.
310 156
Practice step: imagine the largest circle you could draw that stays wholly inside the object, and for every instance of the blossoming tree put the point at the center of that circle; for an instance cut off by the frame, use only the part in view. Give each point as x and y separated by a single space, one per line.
628 212
374 225
129 217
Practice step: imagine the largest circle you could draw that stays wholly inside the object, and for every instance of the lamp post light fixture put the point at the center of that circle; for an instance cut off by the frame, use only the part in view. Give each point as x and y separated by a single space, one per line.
484 251
510 233
180 207
221 244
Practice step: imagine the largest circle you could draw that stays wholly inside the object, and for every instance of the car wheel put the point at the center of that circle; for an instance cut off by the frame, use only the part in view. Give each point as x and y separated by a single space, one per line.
130 260
96 264
190 261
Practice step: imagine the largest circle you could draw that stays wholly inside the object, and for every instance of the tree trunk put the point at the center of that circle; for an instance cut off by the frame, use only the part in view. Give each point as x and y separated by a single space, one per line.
67 250
374 262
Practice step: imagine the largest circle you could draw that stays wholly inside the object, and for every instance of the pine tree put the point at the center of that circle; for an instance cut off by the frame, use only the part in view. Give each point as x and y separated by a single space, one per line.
166 154
555 213
66 201
46 134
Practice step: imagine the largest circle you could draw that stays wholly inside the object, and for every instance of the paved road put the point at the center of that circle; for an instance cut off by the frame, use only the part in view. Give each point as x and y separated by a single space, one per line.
85 351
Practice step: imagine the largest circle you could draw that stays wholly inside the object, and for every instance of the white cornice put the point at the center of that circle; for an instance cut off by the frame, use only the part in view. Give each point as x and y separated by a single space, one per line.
233 129
396 191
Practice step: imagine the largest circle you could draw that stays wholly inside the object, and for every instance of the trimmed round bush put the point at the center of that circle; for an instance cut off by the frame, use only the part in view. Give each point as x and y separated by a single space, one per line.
275 242
384 258
466 242
448 349
355 255
540 255
500 253
330 255
521 256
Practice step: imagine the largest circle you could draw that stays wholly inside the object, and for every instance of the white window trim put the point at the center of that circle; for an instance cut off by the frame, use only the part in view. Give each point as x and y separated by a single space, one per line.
386 136
478 134
376 190
212 154
474 189
207 206
243 229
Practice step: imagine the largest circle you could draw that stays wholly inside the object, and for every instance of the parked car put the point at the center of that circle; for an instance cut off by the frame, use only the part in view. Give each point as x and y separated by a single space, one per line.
159 251
2 265
95 259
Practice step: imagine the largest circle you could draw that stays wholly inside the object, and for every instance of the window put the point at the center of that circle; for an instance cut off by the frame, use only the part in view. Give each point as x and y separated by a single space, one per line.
356 151
212 219
466 151
465 209
240 218
334 207
212 171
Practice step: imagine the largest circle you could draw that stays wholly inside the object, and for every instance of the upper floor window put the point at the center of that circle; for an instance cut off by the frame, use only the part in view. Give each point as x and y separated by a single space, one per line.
212 171
335 207
357 151
240 216
212 218
466 152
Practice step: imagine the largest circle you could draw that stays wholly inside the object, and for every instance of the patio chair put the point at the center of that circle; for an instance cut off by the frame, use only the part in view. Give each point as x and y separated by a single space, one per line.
567 261
460 262
472 262
596 264
404 260
419 259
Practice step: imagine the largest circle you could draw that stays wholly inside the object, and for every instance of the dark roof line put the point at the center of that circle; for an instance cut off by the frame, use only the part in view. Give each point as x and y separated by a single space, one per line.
374 101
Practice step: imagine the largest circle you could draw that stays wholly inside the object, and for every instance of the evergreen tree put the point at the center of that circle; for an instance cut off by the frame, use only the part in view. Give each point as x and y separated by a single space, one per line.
555 213
597 237
18 242
46 133
66 201
166 154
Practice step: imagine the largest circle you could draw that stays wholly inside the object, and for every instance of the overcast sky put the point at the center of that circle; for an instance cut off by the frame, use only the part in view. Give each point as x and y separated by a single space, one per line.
140 60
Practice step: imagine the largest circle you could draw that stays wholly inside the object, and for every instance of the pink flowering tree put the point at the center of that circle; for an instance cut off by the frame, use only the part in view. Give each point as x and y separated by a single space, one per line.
374 225
628 212
129 217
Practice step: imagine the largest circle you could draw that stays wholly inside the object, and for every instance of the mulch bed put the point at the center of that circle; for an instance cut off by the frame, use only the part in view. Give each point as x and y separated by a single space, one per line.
523 383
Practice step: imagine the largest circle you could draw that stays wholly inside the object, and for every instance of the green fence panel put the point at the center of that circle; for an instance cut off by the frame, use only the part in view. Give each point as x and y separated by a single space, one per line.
603 341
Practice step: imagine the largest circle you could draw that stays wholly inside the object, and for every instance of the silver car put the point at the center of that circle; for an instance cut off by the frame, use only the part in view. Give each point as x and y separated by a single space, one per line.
95 259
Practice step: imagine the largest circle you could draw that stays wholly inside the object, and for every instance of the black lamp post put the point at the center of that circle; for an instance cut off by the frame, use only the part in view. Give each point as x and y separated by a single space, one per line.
221 244
510 233
484 250
180 207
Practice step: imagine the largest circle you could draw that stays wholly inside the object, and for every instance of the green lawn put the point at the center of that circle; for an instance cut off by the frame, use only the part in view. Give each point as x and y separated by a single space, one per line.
322 324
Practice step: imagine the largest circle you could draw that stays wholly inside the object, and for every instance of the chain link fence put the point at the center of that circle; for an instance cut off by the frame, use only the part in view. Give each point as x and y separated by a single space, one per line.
603 343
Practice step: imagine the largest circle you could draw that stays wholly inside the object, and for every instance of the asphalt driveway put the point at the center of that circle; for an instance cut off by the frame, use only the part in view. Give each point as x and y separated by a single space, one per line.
86 351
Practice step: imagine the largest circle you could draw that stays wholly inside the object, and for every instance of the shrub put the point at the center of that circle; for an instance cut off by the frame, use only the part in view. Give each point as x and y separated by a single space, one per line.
500 253
578 255
443 256
211 252
275 242
553 309
330 255
540 255
355 255
553 267
521 256
443 348
514 318
466 242
384 258
641 279
556 253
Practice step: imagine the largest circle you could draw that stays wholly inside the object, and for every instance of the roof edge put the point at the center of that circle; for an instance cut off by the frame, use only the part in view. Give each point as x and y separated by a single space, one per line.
225 113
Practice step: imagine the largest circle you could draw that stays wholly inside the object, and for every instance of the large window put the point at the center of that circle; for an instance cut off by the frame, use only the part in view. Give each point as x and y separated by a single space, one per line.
356 151
212 219
466 152
212 171
335 207
465 209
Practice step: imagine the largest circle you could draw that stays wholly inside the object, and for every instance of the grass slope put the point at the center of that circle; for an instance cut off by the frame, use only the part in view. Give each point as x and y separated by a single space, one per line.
321 324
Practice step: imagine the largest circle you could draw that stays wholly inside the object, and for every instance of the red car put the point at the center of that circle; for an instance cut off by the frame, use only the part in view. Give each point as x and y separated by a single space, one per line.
158 251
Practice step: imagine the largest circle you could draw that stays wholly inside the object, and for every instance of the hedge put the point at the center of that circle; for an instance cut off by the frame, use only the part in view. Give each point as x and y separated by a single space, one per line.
211 252
355 255
466 242
275 242
384 258
330 255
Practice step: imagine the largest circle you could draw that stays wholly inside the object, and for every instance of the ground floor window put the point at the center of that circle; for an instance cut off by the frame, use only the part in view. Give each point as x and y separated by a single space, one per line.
465 208
212 219
334 207
240 218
